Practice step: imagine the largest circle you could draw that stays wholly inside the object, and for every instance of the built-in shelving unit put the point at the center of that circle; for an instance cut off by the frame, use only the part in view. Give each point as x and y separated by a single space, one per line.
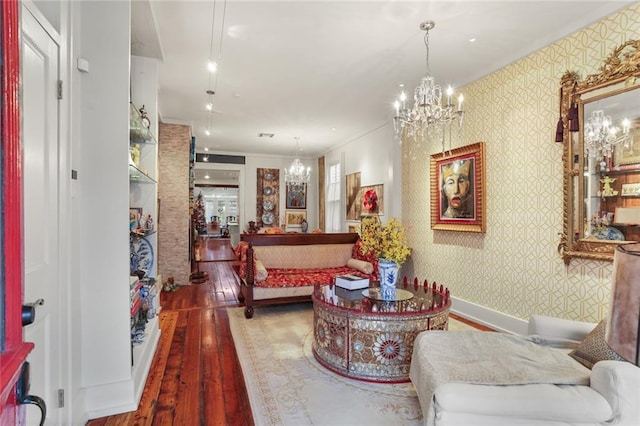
144 284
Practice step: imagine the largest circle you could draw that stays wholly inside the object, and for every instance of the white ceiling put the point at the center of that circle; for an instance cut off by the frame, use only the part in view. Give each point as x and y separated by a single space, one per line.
328 71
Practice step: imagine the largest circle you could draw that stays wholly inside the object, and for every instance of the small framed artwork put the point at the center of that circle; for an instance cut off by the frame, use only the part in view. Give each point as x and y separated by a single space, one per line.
296 196
631 154
631 190
371 200
457 189
294 219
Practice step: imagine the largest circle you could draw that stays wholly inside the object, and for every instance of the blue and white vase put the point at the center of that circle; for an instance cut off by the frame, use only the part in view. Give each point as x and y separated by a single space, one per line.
388 271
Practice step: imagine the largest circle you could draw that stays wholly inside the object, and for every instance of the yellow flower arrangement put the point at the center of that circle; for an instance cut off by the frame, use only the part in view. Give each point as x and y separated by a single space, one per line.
386 242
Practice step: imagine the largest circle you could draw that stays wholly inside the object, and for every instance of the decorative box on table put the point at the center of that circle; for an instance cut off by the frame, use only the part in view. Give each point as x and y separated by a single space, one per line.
352 282
349 294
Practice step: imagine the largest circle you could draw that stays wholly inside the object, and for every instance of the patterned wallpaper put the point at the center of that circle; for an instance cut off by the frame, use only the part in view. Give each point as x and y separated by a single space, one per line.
514 268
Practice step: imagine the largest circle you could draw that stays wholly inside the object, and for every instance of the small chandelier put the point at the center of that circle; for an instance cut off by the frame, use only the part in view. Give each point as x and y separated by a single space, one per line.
601 136
297 173
431 108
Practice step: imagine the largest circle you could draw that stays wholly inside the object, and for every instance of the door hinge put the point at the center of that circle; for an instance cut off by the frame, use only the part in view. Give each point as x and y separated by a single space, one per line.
59 89
60 398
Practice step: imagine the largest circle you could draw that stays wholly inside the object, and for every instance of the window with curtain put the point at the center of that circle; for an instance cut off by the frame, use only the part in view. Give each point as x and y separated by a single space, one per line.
334 223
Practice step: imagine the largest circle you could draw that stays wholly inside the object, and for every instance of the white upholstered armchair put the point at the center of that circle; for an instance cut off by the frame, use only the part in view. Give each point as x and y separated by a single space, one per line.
479 378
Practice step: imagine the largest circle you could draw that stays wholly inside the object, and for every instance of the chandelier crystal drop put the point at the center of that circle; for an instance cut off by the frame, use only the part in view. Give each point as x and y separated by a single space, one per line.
601 136
297 173
432 108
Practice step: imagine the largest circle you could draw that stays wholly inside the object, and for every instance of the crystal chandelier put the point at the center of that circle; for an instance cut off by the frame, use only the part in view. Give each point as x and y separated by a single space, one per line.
601 136
431 108
297 173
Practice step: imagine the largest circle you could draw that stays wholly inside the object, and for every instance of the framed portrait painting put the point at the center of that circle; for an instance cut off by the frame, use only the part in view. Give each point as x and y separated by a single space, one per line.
296 196
457 189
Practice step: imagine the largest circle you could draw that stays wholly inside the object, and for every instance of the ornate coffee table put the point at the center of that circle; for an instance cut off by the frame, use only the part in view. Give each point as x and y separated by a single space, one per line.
365 337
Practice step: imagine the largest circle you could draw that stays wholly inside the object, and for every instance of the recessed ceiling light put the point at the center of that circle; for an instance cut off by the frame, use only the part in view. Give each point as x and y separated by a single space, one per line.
208 133
209 106
206 149
206 176
333 129
205 158
212 65
472 39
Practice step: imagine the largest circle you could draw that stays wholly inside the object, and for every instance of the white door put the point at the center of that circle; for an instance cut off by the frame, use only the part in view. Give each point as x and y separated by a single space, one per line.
39 56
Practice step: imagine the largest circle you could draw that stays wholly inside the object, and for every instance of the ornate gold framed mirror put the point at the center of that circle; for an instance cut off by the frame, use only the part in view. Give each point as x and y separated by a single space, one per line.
600 129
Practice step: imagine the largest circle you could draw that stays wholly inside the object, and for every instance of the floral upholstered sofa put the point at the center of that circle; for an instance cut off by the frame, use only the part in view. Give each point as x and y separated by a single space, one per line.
282 268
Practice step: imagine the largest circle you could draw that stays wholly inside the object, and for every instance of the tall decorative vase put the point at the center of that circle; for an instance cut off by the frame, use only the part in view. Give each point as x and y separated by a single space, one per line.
388 271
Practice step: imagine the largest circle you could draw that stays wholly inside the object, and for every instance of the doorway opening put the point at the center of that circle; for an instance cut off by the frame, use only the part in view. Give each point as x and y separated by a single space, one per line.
219 185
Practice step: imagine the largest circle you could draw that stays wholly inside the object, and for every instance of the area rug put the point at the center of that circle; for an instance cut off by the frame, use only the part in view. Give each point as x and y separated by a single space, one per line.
287 386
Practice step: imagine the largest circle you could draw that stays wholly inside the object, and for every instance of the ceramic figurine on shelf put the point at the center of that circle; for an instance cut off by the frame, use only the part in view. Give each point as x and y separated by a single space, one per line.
131 162
144 118
135 154
607 190
252 227
149 223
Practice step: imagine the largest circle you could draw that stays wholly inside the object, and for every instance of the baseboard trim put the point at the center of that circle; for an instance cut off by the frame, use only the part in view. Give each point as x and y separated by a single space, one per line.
488 317
109 399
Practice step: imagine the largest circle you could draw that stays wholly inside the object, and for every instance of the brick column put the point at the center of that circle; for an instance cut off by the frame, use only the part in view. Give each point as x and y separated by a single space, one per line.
173 196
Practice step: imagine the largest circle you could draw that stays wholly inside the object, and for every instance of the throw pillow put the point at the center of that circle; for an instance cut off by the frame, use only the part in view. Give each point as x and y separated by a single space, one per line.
360 265
241 249
261 271
356 253
594 348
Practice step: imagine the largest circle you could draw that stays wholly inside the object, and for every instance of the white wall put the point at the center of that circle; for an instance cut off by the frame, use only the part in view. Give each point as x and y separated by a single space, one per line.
103 193
376 156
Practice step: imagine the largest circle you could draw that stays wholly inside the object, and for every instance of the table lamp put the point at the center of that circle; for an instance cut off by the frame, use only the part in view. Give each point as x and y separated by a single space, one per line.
623 327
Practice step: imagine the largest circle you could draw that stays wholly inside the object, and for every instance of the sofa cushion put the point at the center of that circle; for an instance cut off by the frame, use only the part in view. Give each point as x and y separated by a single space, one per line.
541 401
304 256
292 277
594 348
619 383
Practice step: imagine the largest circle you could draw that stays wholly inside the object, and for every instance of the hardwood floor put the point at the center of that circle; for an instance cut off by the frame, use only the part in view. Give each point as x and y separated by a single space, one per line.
195 377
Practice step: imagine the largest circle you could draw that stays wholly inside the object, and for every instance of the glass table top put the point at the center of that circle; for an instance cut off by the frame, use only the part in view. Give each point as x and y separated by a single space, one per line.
413 297
375 294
